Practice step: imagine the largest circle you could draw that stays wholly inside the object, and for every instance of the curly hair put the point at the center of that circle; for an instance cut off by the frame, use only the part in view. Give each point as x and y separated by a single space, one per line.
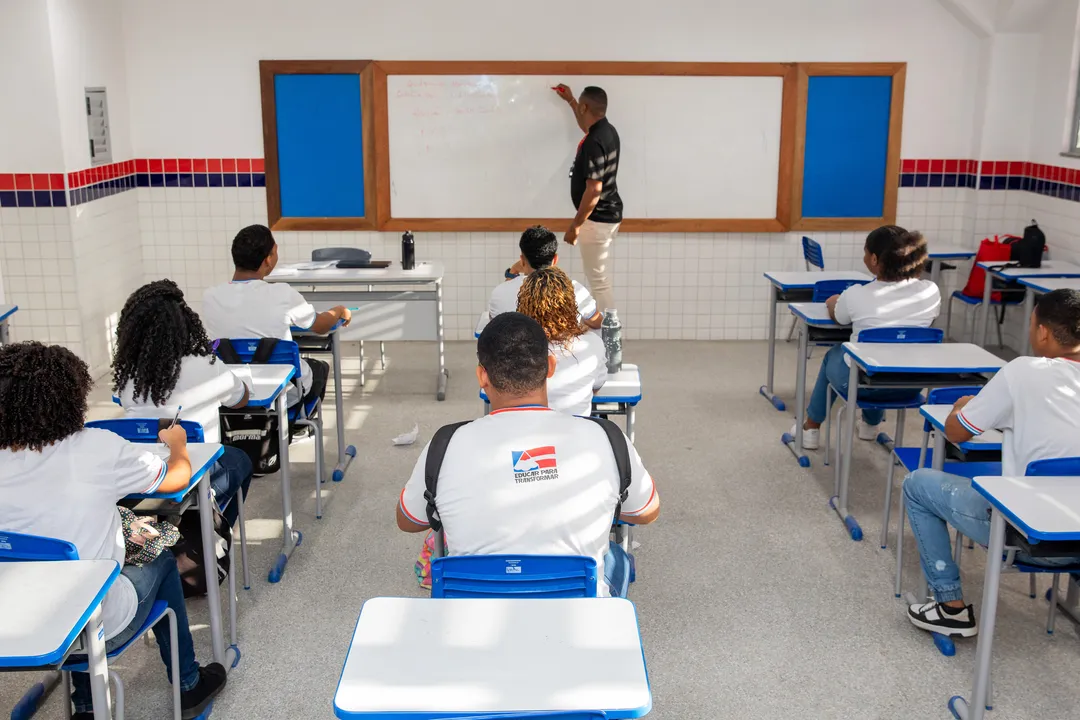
902 253
156 330
43 391
547 296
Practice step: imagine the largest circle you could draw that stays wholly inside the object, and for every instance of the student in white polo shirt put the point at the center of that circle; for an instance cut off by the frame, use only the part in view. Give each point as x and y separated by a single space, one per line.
249 307
526 479
61 480
1035 402
580 362
164 364
539 249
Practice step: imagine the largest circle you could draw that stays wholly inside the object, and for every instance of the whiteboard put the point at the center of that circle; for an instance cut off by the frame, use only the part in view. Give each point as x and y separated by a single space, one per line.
501 146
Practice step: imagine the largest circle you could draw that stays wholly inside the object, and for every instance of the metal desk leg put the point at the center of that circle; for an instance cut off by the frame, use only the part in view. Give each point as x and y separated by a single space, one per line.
794 444
839 503
290 538
345 454
767 389
981 691
935 270
630 422
440 391
94 641
984 320
213 592
1029 307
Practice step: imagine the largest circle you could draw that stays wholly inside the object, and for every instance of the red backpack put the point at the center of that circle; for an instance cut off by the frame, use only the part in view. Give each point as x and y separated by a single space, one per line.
989 251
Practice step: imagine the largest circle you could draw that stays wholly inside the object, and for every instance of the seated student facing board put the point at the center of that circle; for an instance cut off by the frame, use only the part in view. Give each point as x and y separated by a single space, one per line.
539 249
491 498
61 480
547 296
249 307
898 297
164 362
1035 402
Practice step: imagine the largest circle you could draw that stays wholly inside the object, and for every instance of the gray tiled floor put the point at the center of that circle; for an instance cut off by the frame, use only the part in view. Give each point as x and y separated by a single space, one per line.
753 602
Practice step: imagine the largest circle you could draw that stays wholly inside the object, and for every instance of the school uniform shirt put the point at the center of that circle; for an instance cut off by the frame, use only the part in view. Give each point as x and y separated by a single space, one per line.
909 303
69 491
528 480
258 309
1035 402
580 369
204 385
504 298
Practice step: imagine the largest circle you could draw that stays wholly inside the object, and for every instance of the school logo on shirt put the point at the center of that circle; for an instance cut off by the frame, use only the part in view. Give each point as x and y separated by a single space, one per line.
535 465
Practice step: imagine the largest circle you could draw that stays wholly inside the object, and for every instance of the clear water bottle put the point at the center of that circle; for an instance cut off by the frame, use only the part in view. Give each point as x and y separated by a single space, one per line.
408 251
611 330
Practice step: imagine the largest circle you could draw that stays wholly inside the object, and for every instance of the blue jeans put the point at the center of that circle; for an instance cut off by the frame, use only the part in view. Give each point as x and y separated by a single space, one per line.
159 580
935 500
230 473
835 371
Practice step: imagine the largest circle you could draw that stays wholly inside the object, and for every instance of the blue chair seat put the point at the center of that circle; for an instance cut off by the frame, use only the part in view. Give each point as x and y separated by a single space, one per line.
968 300
156 611
915 402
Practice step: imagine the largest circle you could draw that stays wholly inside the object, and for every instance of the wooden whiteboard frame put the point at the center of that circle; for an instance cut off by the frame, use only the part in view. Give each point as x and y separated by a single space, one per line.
898 72
784 195
268 69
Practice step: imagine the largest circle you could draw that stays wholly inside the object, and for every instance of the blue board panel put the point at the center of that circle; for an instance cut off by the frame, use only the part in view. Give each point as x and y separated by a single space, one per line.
320 145
847 139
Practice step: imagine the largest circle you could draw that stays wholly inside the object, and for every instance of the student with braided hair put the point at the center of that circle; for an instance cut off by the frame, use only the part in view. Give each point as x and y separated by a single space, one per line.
547 296
61 480
164 361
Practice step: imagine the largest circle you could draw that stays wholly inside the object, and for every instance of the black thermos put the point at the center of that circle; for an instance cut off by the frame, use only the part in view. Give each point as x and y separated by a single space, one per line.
408 251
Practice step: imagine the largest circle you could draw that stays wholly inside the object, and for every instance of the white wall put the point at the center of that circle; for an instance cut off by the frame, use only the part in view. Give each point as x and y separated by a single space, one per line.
1054 79
30 124
193 66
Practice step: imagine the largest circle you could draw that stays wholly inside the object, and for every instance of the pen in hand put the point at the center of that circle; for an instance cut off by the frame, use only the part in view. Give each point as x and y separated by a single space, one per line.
175 419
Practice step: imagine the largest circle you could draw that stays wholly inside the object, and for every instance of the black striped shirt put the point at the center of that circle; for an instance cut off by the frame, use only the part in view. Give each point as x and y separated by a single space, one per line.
598 159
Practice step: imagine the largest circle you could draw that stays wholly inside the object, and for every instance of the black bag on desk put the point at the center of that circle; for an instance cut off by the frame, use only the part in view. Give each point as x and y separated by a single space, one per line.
256 431
1027 251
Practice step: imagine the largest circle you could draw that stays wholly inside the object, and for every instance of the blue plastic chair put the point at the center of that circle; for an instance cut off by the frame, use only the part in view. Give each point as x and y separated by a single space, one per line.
812 255
18 547
898 334
287 352
825 289
969 301
522 576
145 430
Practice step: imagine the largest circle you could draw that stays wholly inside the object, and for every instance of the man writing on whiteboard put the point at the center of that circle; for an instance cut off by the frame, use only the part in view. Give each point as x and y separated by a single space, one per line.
594 190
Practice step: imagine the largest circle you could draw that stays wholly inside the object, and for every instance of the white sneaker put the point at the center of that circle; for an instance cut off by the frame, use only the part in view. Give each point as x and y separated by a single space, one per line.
810 438
867 432
933 617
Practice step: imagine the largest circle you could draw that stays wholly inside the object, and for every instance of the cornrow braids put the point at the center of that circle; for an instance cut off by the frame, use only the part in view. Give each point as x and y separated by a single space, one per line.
547 296
901 253
43 391
156 331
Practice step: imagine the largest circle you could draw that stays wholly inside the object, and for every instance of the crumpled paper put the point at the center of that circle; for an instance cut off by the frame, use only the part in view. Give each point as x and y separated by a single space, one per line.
408 438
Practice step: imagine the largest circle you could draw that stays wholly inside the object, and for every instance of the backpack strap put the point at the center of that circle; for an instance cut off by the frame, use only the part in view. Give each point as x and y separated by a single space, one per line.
225 350
436 451
622 458
264 351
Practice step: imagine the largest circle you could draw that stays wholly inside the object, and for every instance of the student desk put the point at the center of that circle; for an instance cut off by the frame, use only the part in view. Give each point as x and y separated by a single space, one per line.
815 327
619 395
789 287
269 385
203 456
902 366
1040 286
1049 269
481 656
936 415
45 606
311 342
6 311
1043 509
383 314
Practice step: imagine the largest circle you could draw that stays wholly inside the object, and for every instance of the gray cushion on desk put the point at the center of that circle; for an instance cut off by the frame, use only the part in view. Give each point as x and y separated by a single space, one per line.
341 253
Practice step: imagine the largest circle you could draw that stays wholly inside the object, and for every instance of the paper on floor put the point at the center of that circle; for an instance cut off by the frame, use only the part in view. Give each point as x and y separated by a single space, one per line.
408 438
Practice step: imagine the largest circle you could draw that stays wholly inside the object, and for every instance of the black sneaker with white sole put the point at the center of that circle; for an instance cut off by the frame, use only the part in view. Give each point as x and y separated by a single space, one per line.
938 618
212 679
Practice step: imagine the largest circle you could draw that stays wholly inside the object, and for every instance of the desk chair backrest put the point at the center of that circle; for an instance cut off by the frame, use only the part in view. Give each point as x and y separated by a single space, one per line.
827 288
811 252
902 335
522 576
145 430
284 352
17 547
1050 467
948 396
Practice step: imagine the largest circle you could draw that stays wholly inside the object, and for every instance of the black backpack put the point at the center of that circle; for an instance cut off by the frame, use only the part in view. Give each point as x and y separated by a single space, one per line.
1027 251
188 551
441 440
254 432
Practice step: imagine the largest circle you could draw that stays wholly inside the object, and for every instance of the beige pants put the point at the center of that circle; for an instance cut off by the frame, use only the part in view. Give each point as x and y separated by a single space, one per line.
595 243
